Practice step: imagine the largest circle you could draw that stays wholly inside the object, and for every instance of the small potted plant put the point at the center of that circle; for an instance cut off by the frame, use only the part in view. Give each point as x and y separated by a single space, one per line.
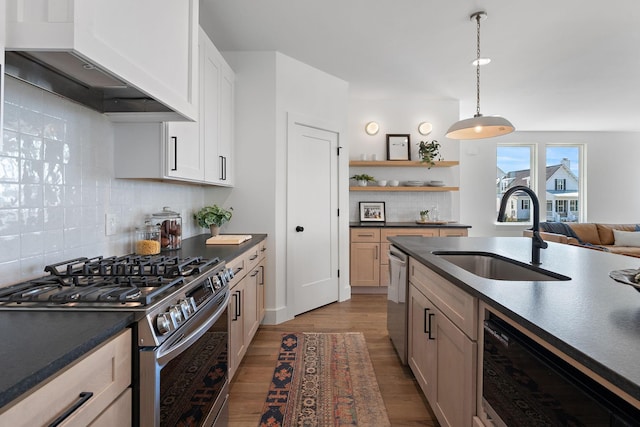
363 179
424 215
212 217
428 151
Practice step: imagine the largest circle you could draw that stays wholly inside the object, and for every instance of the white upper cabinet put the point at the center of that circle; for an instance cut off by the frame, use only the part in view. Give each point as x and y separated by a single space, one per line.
201 151
149 44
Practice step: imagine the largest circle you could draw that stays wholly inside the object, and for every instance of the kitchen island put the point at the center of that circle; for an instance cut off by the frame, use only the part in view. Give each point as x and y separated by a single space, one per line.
591 318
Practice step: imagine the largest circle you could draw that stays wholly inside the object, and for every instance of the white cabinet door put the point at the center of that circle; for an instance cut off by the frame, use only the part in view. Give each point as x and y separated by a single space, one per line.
217 111
152 44
225 143
184 151
210 74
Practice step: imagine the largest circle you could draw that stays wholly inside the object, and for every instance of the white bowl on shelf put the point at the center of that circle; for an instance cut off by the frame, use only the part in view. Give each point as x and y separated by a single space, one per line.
394 183
382 183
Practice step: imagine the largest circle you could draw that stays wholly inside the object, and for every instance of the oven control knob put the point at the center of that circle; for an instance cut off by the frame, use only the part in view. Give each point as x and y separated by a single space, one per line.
230 273
163 323
187 308
176 314
217 283
209 285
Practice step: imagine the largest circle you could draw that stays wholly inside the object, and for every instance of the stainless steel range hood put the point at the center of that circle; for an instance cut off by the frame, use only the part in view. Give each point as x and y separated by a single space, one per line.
70 76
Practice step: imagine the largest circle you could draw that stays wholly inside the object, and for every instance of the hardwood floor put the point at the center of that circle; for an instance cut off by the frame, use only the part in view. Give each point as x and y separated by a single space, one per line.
403 399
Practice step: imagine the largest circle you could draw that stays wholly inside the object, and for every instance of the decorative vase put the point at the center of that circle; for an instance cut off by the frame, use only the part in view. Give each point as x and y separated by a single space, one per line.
362 183
424 218
215 230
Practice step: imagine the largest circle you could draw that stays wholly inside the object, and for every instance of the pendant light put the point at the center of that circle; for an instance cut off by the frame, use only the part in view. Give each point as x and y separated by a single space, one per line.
479 126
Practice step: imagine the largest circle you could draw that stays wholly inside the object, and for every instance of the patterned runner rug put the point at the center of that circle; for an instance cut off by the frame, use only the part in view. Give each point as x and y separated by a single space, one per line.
323 380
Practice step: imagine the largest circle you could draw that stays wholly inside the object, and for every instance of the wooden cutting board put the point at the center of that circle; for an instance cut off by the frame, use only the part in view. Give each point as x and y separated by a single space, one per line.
228 239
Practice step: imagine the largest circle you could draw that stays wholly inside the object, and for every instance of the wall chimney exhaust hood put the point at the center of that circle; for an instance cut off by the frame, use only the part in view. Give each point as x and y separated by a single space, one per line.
68 75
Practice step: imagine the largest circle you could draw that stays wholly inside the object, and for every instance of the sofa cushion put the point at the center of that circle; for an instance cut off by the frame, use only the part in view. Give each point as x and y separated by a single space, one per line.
587 233
626 238
625 250
606 231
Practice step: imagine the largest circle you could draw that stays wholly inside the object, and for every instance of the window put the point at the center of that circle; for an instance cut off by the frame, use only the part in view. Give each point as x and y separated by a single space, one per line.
564 182
573 205
514 168
561 206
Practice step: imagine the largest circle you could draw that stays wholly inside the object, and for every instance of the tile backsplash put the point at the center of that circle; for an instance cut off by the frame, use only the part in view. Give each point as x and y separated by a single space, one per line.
57 184
403 206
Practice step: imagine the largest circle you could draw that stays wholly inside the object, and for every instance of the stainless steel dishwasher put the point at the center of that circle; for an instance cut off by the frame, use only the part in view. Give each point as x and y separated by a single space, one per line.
397 301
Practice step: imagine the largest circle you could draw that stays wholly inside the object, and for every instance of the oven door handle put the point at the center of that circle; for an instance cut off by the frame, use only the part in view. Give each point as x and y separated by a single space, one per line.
173 348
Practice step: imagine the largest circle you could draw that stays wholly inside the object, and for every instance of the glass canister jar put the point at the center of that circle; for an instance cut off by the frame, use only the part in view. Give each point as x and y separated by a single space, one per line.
170 224
147 239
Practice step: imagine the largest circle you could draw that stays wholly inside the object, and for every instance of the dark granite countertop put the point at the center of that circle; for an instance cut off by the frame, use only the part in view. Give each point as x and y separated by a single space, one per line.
196 246
407 225
37 344
592 318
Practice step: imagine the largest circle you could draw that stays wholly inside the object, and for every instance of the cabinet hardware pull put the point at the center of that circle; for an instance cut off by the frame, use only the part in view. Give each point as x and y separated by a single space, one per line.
237 313
253 257
239 306
224 168
175 153
376 253
255 273
429 333
82 398
424 321
261 275
366 235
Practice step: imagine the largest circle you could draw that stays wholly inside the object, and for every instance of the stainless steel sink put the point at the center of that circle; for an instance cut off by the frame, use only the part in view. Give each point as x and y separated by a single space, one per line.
496 267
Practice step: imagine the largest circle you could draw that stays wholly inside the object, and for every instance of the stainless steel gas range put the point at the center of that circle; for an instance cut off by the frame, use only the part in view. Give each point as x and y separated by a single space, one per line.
180 330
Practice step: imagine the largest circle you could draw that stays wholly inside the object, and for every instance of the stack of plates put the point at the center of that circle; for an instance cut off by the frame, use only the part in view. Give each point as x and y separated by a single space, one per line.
414 183
436 183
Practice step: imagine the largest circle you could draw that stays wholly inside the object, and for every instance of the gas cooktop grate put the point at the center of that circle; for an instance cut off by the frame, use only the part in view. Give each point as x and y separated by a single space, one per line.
132 265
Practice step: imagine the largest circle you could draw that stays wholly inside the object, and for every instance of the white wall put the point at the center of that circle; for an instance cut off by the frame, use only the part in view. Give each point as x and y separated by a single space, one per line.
401 115
611 174
269 85
57 184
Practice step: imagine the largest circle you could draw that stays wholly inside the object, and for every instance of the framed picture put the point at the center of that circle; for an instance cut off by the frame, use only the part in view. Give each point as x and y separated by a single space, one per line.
398 146
372 212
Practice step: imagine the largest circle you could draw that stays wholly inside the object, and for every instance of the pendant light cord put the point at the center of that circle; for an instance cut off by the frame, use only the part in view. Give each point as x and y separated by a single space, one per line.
478 66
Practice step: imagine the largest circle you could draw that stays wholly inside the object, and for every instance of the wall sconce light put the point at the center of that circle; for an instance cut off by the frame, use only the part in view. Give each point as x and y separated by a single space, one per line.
371 128
425 128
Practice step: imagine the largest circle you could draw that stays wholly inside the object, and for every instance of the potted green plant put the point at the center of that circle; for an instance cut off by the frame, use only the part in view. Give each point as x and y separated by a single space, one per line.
212 217
424 215
363 179
428 151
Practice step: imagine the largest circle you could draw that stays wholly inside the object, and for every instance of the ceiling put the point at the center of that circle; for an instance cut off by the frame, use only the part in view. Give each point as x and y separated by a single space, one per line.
558 65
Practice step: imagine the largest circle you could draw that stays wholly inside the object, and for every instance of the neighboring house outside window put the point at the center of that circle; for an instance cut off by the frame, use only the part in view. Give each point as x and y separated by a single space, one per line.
524 204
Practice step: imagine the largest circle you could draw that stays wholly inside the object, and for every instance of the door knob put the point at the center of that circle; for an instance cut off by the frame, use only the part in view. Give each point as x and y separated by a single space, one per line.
299 229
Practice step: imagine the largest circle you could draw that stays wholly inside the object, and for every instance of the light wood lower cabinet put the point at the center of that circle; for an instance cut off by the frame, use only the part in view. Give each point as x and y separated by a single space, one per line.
369 259
98 385
247 302
442 357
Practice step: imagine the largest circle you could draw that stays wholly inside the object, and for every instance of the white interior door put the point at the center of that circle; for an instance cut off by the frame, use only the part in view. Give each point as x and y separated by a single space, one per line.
312 217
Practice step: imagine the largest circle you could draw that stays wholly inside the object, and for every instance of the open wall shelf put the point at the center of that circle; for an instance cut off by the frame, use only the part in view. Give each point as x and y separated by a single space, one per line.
408 189
402 163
